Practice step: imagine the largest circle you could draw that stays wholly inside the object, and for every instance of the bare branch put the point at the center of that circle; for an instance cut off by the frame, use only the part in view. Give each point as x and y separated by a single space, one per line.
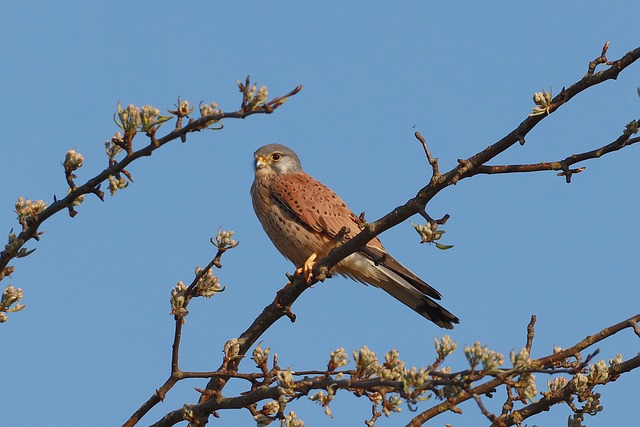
621 142
432 160
602 59
530 333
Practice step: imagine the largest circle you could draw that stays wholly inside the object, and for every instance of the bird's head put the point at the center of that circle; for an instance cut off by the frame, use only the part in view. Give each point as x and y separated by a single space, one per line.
276 159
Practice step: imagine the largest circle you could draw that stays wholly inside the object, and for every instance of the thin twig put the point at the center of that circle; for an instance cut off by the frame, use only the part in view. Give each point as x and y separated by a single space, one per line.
491 417
562 165
432 160
602 59
176 374
530 333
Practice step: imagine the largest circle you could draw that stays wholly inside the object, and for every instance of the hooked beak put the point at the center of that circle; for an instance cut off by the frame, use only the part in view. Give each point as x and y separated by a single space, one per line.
260 162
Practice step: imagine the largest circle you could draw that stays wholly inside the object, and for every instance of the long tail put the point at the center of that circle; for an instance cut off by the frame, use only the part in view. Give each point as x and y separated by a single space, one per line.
399 282
409 295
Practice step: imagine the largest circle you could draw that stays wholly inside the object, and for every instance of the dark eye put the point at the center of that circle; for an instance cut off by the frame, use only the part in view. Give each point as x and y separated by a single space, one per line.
275 157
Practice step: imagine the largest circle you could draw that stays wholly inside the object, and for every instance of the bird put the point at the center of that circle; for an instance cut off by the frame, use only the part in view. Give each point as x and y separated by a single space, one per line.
304 219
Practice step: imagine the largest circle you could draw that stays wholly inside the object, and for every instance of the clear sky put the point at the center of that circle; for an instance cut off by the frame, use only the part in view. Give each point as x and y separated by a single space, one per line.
94 340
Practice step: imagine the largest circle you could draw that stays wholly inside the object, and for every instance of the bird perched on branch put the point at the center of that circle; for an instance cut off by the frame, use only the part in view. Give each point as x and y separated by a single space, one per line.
305 219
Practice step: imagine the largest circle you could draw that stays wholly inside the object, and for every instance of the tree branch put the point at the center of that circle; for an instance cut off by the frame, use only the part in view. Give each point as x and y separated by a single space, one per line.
92 186
470 166
622 141
547 362
464 169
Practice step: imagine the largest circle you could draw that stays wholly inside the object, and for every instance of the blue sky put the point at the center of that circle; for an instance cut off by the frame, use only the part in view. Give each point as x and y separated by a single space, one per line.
94 341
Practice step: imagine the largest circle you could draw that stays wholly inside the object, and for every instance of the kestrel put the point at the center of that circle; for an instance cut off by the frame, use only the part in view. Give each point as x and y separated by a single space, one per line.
304 219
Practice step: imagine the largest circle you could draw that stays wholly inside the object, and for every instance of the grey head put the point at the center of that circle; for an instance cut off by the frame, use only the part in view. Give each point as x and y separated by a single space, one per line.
276 158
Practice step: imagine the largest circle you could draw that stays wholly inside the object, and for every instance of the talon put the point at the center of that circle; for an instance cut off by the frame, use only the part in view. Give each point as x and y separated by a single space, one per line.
307 268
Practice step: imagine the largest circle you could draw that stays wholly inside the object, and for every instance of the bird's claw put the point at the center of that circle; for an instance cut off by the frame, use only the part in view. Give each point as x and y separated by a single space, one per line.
307 268
307 271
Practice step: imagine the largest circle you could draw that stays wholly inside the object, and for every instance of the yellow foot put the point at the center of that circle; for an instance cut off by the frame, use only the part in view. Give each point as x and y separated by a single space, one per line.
307 268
